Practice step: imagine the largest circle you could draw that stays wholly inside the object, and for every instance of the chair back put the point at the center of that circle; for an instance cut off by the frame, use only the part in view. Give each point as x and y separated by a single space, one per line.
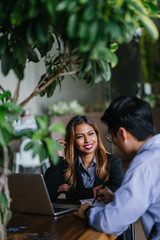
26 159
155 232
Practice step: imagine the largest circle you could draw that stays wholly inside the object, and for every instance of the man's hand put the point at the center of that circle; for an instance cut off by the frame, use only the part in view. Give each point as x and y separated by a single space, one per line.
105 194
80 211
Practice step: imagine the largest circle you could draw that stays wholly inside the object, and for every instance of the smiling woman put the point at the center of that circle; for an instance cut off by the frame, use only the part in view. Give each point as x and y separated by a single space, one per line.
86 164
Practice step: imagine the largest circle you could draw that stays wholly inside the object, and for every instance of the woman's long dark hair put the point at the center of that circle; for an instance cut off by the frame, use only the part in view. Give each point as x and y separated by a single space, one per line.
71 155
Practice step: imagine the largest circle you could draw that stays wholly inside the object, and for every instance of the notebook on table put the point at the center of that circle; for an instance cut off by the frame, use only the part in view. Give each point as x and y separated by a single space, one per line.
29 195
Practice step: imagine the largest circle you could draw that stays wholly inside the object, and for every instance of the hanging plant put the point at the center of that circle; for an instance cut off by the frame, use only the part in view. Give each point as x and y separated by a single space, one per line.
147 51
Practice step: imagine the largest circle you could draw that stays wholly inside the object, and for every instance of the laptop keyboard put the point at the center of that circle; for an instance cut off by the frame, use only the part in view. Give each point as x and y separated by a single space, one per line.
58 209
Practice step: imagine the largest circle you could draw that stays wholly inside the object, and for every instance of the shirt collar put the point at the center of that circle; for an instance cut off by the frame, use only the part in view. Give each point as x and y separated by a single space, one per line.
153 141
80 163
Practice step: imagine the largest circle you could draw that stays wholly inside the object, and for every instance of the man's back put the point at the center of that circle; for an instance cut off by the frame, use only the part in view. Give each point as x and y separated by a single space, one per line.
148 161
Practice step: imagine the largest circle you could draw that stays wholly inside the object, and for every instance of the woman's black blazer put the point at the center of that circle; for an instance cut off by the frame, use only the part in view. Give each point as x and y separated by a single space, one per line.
54 178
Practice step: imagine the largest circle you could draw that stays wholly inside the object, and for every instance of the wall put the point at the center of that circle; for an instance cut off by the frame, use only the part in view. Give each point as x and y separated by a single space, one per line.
70 89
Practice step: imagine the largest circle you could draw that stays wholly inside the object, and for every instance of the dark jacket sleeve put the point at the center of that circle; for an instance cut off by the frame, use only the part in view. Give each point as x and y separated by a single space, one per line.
54 178
115 172
77 194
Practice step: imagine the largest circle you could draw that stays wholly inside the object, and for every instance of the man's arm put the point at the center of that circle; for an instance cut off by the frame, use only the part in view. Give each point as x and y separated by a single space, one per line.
129 203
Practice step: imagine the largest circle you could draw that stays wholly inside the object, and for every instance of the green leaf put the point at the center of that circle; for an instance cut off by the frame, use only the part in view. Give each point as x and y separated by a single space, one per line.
114 60
19 53
2 115
83 1
41 32
71 6
150 26
29 146
4 137
3 44
6 62
93 31
50 93
49 144
106 70
72 24
119 3
138 6
19 71
52 147
29 35
113 47
7 126
97 75
9 215
110 57
2 216
50 6
39 149
50 89
57 127
61 6
37 135
153 9
42 122
32 56
54 157
83 30
5 95
89 13
4 200
12 106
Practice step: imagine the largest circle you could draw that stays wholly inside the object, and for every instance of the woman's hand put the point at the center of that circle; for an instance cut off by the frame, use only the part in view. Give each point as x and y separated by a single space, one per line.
105 194
64 188
63 143
80 211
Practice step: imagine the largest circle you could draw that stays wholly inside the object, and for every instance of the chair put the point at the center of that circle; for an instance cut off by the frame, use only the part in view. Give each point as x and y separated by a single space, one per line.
129 234
25 160
155 232
132 231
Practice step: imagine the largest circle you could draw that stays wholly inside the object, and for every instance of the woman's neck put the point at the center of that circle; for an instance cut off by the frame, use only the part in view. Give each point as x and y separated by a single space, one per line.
87 159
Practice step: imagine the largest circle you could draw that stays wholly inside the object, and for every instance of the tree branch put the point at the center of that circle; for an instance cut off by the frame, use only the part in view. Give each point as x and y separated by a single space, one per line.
64 53
2 88
68 73
16 94
51 80
4 188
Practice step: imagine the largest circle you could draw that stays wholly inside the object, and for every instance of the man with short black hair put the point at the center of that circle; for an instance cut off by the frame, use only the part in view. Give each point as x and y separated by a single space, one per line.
130 125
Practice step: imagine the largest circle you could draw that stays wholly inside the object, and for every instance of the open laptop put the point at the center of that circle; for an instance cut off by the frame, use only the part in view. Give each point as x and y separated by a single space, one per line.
29 194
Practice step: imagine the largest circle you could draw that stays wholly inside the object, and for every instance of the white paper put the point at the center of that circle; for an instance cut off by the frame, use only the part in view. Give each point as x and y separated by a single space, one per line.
90 200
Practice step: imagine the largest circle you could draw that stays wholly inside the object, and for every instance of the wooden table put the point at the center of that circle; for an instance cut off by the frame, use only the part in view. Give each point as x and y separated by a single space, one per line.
63 227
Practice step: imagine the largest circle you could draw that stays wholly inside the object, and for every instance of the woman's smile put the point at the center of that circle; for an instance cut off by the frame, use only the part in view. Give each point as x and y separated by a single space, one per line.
88 146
